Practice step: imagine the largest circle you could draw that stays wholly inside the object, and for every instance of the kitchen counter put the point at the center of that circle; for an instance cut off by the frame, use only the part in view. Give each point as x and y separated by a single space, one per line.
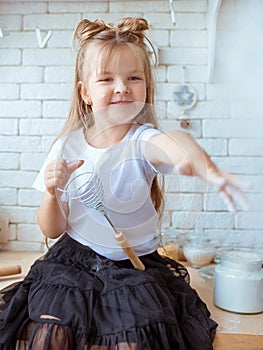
235 331
24 259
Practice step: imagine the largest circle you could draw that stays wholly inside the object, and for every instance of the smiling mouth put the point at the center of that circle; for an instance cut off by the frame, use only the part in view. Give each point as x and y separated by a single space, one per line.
121 102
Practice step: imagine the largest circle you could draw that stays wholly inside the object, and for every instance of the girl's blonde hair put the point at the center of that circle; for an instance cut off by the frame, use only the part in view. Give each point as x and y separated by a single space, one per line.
105 37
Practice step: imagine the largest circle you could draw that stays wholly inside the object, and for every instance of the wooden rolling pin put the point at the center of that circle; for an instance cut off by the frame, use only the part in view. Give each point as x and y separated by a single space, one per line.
10 270
124 243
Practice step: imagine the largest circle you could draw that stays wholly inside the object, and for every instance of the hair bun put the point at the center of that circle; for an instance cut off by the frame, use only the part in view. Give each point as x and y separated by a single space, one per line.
135 25
87 29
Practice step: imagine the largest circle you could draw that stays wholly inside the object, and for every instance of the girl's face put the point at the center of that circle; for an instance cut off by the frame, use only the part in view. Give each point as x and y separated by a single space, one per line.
117 92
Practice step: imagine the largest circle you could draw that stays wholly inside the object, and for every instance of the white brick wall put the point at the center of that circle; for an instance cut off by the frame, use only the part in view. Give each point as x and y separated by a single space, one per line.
35 87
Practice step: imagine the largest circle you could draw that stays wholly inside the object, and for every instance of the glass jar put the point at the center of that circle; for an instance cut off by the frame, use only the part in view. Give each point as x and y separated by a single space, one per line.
169 245
238 284
198 250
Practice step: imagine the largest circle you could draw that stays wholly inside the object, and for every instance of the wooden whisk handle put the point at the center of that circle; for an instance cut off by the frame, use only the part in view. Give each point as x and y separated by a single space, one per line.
124 243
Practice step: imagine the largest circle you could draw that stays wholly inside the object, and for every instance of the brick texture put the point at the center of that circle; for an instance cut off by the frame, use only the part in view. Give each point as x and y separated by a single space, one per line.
35 89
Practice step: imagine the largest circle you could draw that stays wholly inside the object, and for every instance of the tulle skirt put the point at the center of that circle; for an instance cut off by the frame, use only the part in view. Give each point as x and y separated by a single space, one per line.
76 299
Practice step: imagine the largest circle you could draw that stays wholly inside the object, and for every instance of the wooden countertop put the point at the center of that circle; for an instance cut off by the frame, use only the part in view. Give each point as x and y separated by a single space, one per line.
235 331
24 259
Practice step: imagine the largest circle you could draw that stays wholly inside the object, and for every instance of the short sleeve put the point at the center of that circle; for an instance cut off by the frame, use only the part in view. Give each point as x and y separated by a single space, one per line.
148 132
145 132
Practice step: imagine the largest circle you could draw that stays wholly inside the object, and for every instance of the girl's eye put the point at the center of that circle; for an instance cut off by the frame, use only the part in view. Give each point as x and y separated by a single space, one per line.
106 79
134 78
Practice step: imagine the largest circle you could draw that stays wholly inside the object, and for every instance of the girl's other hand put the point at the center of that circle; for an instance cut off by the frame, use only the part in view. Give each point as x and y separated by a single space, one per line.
58 172
230 188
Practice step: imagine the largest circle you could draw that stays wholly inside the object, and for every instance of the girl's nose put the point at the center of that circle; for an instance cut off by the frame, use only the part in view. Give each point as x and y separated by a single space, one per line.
121 88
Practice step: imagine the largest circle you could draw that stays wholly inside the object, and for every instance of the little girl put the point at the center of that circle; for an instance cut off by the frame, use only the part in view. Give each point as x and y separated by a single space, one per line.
86 293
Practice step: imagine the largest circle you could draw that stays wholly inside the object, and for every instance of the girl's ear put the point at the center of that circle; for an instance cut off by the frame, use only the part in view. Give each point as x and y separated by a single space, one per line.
84 93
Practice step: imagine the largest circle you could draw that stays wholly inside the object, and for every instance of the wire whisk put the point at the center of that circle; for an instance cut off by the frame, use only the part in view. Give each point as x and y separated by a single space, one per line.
91 194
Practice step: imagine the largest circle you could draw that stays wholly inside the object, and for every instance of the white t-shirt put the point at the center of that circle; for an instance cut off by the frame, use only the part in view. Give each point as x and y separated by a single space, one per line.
122 184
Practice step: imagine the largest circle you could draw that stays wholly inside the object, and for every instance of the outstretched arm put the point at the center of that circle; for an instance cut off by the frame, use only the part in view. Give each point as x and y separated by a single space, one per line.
179 150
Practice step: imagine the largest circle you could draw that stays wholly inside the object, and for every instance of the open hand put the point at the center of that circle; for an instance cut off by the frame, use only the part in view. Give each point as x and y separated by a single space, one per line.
230 188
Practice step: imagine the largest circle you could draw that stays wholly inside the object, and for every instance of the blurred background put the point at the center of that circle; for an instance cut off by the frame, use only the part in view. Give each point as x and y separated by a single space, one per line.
212 57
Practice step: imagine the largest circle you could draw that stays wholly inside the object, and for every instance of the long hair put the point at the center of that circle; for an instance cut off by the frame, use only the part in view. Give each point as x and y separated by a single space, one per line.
96 42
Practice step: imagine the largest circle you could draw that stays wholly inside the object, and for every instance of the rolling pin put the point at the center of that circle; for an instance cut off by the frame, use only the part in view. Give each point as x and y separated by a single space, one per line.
10 270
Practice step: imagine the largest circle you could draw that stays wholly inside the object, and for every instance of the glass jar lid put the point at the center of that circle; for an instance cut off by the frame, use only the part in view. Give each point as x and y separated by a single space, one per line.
245 260
198 238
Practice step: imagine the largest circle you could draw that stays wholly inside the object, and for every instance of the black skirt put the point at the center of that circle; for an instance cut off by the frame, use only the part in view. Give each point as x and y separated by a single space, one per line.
78 299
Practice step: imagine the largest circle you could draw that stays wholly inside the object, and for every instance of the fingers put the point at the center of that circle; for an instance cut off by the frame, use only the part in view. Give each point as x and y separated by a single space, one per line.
236 183
232 195
55 175
228 200
231 189
74 166
231 192
58 172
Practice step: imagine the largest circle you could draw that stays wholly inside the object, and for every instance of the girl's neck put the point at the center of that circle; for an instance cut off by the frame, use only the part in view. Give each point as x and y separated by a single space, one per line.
105 138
